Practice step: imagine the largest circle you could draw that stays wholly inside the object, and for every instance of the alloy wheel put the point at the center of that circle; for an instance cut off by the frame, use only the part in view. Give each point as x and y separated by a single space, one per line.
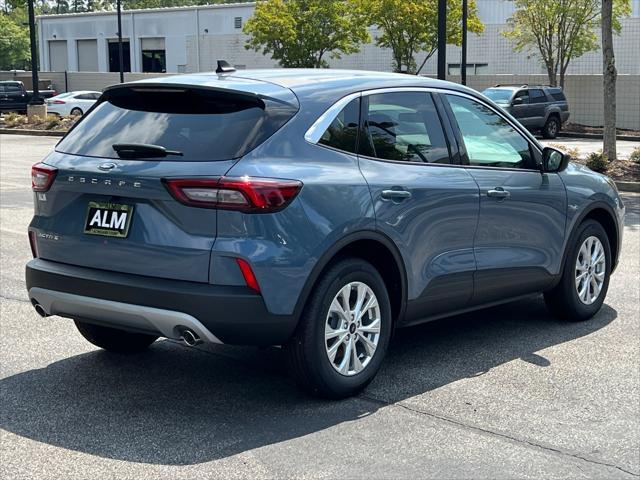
590 270
352 328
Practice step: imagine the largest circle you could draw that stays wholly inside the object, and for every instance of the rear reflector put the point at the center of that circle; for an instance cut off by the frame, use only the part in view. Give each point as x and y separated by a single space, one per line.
42 176
249 276
33 243
246 194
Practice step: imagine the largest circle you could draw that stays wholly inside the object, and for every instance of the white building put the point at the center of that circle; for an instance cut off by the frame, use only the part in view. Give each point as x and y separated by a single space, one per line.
190 39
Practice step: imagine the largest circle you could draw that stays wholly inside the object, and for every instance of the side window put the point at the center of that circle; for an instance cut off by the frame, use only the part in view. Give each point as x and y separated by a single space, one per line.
343 131
490 140
524 95
537 96
404 126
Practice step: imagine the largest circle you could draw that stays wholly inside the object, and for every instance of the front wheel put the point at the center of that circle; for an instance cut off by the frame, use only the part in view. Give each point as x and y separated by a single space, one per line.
343 333
113 339
585 278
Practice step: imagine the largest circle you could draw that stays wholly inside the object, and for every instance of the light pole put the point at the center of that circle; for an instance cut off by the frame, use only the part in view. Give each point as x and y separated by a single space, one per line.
463 60
442 39
35 98
120 53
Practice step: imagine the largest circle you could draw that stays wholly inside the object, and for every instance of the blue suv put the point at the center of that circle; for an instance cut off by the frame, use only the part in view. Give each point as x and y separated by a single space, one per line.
314 209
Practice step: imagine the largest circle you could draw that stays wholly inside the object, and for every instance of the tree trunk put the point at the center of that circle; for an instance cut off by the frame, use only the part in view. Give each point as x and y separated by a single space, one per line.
609 81
552 74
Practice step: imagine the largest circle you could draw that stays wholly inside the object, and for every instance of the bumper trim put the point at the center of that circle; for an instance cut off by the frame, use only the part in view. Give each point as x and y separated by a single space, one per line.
168 323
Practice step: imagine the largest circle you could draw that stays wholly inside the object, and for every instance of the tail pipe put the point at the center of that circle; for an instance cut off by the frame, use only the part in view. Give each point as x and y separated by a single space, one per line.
39 309
190 337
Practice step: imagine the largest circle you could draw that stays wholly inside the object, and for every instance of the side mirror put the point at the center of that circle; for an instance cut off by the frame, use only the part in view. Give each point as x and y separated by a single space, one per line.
554 161
517 101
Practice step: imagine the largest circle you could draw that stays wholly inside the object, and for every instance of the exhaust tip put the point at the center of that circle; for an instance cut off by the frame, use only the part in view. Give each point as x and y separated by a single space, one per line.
190 337
40 310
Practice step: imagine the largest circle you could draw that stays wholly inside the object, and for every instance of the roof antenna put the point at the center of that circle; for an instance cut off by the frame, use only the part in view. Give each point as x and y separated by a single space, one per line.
224 67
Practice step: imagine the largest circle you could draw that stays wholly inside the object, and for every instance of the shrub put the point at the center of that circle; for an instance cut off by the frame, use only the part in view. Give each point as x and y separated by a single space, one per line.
635 155
574 153
597 162
52 122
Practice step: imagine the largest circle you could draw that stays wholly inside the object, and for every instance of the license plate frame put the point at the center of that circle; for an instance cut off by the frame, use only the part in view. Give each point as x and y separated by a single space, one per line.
108 221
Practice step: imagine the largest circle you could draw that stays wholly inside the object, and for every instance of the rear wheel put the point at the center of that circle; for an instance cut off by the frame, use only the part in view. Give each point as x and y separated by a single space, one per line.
585 279
343 333
113 339
551 128
76 112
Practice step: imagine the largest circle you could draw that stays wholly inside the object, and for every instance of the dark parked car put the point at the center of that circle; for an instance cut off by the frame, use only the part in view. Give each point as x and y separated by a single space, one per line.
537 107
14 97
313 209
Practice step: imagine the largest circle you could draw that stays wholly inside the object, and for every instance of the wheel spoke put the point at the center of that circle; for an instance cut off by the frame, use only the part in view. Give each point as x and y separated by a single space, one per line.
336 307
368 344
334 348
371 303
346 361
373 327
357 364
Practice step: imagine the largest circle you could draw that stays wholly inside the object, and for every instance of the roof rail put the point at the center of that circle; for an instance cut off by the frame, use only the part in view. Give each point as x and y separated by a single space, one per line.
521 85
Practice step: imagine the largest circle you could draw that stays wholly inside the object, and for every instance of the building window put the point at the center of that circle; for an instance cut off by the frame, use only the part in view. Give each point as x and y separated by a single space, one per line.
472 69
154 57
237 22
114 56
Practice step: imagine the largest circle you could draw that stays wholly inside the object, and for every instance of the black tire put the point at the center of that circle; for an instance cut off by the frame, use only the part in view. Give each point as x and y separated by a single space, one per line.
76 112
551 128
306 352
113 339
563 300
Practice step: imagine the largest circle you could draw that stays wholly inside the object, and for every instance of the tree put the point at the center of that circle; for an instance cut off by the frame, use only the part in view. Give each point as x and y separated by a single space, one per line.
302 33
14 40
409 27
559 30
609 74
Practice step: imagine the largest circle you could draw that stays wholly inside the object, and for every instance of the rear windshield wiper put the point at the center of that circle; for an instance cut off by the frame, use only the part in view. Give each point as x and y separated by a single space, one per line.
143 150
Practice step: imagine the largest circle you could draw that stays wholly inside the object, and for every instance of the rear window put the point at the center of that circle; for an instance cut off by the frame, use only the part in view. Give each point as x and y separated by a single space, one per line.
204 125
557 94
498 95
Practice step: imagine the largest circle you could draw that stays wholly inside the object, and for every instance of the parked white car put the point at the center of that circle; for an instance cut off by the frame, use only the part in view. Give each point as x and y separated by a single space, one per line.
72 103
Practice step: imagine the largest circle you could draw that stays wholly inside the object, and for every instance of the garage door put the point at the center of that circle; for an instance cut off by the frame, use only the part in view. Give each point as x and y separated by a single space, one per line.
58 55
87 55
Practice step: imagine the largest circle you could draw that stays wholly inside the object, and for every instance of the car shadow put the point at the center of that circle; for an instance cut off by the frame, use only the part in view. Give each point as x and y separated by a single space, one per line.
179 406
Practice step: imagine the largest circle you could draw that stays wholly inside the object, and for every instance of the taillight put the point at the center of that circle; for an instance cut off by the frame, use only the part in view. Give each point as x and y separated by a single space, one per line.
249 277
58 102
33 243
246 194
42 176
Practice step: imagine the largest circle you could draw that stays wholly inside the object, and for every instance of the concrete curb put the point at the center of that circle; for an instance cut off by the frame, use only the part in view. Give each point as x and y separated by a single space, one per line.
628 186
596 136
33 133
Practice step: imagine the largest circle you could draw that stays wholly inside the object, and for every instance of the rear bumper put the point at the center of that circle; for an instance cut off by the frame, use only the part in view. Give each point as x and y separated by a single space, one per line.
218 313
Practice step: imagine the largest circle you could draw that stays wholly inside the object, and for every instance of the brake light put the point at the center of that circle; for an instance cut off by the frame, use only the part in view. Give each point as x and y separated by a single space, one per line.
249 276
42 176
33 243
58 102
246 194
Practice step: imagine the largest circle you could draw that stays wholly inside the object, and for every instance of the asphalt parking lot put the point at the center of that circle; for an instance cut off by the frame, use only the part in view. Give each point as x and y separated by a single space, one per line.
508 392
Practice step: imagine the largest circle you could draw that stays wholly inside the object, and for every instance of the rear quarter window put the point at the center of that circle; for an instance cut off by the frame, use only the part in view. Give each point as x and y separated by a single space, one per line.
205 125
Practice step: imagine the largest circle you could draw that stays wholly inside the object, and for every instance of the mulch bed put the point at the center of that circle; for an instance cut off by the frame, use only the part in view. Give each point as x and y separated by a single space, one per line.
577 128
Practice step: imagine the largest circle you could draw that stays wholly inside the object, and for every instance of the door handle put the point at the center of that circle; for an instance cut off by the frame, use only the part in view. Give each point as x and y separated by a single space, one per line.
499 192
396 195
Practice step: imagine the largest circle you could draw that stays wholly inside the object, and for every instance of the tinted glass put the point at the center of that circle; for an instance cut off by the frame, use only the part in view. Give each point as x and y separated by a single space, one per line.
524 95
404 126
557 94
203 125
498 95
537 96
12 88
490 140
343 131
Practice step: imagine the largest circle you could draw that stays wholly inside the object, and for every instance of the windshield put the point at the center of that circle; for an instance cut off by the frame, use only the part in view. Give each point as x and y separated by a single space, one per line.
203 125
498 95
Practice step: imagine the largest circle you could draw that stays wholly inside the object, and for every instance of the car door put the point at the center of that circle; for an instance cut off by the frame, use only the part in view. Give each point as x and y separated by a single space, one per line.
424 203
13 97
537 106
520 108
521 226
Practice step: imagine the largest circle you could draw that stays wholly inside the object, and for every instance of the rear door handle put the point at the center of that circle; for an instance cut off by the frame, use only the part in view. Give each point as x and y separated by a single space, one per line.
498 192
396 195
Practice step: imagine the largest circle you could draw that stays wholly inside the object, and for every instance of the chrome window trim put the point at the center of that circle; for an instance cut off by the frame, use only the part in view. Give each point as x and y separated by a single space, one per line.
315 132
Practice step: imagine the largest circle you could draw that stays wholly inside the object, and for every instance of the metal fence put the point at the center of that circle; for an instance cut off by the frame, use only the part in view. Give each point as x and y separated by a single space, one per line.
584 92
